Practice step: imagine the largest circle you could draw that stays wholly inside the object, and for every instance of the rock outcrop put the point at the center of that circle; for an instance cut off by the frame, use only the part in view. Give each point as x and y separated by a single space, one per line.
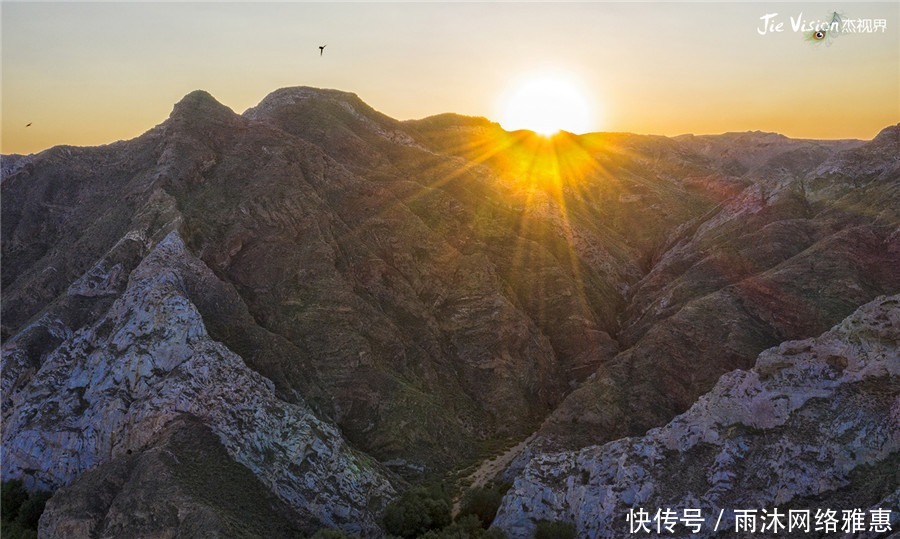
815 424
110 388
185 484
324 292
779 260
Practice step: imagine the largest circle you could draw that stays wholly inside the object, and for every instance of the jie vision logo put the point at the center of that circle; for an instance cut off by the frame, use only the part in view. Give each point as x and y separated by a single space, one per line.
819 30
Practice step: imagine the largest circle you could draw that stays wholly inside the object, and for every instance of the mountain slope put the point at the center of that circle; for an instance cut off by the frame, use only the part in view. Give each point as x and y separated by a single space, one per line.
814 424
773 263
185 484
109 388
341 299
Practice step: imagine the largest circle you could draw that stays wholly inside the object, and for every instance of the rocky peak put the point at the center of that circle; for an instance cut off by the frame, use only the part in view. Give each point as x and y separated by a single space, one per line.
890 134
876 159
814 424
110 389
328 117
283 98
279 106
10 164
201 108
760 156
450 120
304 279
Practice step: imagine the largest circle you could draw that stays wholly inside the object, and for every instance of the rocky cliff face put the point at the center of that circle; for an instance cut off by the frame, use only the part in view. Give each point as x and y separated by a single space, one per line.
781 259
109 389
183 484
814 424
336 299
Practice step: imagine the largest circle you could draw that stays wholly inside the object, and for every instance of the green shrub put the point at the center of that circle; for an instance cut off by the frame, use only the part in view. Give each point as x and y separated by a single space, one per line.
554 530
331 533
418 511
20 511
493 533
12 496
483 503
30 511
467 527
15 530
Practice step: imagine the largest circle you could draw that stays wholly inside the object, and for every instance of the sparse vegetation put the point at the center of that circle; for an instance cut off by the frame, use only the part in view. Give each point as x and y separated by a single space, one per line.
331 533
420 510
12 496
467 527
555 529
425 513
19 510
483 503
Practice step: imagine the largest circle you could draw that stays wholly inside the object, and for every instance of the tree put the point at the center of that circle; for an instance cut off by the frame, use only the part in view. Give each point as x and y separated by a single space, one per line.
32 509
19 510
418 511
12 496
554 530
467 527
331 533
483 503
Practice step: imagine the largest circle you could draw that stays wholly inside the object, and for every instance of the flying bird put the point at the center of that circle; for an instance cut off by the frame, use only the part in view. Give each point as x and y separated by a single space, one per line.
322 49
28 124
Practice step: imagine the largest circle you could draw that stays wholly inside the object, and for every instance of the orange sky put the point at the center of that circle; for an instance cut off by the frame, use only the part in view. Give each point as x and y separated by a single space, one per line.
93 73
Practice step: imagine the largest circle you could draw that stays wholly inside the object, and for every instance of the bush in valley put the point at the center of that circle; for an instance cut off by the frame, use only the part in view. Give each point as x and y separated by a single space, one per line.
16 531
555 529
466 527
483 503
493 533
331 533
418 511
19 510
32 509
12 496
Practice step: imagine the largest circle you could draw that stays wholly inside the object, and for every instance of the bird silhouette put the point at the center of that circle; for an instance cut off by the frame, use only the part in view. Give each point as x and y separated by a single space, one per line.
28 124
322 49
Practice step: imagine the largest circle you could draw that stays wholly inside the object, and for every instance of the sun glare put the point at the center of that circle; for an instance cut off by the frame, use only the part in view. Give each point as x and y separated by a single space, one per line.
546 105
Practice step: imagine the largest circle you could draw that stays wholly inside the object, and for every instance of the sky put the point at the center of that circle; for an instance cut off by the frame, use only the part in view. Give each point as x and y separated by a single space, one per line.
93 73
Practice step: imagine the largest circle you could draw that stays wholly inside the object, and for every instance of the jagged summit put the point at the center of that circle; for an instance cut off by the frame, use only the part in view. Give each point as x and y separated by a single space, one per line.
738 135
201 108
813 423
196 97
451 119
763 155
878 159
889 135
295 94
199 101
331 118
329 298
286 101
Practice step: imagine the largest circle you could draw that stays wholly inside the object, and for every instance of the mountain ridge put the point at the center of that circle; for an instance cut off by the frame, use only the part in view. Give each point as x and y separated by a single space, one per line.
759 439
426 289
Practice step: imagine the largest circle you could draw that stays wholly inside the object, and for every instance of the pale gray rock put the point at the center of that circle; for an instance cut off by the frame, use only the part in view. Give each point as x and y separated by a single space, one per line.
373 121
108 389
794 428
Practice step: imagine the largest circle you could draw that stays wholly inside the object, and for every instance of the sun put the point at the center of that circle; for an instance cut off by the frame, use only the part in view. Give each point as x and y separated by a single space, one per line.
547 104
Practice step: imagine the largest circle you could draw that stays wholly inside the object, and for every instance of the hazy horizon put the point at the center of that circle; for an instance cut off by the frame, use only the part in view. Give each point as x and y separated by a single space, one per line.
94 73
